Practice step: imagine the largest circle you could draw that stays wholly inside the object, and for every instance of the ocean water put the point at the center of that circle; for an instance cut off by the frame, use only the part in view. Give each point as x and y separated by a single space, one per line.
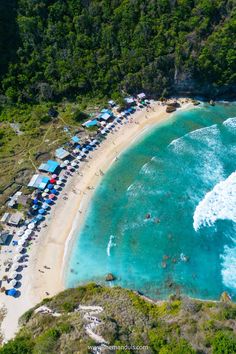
163 219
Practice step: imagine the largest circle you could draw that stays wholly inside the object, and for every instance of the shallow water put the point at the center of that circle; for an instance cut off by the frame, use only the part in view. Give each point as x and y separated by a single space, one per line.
163 219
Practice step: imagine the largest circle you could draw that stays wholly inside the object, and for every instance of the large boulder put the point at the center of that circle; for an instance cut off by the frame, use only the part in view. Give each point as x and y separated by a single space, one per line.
170 109
110 277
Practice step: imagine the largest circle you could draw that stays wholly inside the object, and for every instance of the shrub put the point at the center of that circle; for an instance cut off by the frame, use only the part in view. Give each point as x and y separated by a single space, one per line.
68 307
26 316
20 345
223 343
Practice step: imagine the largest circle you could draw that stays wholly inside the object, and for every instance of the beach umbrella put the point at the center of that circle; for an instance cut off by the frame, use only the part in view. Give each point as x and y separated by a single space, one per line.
28 232
44 194
73 164
56 187
54 176
45 205
84 150
17 258
76 151
51 196
62 165
66 162
46 190
42 211
20 232
39 217
13 283
31 226
68 168
78 157
25 237
54 191
35 201
35 207
52 181
59 182
12 292
15 267
13 275
21 242
20 249
48 201
50 186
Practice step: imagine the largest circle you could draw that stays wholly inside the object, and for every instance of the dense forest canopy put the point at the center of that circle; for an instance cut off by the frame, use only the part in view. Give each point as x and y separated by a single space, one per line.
52 49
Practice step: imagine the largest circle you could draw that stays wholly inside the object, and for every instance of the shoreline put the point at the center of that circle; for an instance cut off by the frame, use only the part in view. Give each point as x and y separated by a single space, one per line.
54 243
76 227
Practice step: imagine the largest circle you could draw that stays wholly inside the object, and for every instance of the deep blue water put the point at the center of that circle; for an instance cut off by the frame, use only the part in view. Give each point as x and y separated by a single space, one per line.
151 222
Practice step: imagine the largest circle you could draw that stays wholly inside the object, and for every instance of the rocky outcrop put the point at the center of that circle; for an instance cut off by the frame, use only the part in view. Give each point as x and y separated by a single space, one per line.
170 109
110 277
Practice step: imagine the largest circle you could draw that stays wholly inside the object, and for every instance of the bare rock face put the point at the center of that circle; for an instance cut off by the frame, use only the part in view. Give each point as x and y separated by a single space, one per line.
170 109
225 297
110 277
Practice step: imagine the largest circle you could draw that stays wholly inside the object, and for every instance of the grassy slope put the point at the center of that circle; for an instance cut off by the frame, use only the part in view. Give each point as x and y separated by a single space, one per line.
20 155
176 326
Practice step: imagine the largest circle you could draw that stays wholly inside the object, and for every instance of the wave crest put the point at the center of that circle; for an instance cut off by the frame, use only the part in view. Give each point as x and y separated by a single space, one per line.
220 203
228 271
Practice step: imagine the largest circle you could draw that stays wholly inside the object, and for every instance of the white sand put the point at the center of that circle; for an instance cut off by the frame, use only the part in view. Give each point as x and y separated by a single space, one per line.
49 248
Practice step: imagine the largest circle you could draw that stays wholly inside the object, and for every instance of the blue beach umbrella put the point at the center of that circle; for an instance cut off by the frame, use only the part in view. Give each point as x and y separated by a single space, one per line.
35 207
39 217
12 292
50 186
41 211
35 201
54 191
48 201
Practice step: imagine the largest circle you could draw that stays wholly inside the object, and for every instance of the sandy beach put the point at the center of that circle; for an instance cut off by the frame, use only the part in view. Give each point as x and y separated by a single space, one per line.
48 254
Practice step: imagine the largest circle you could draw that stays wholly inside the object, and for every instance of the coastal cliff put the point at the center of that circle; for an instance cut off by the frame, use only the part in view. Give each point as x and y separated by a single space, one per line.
78 320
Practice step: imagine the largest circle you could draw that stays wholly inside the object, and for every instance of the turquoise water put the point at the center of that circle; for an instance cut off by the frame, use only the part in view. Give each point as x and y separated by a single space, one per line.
163 219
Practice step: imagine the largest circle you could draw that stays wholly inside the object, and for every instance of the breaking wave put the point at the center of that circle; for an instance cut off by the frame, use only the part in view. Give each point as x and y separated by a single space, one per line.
220 203
230 123
228 271
110 245
203 135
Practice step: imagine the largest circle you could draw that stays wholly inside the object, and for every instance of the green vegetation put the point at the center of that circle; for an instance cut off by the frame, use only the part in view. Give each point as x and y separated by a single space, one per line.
70 48
179 326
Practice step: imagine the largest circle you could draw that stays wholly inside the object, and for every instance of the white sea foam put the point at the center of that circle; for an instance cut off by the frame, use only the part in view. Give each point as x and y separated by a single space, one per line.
203 135
149 169
110 245
136 189
230 123
220 203
228 271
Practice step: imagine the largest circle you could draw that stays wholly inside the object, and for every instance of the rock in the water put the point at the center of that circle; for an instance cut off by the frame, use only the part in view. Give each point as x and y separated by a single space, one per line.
170 109
110 277
196 103
212 103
